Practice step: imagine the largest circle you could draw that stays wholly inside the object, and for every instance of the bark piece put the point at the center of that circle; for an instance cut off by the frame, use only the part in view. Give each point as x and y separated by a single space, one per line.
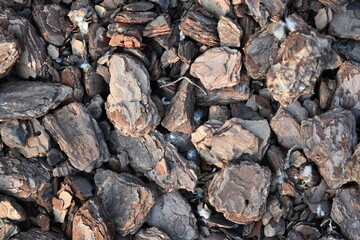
32 61
200 28
61 204
219 143
346 24
71 76
39 235
187 51
8 229
29 138
286 128
298 67
161 25
239 191
347 94
219 113
336 5
10 52
95 83
350 49
345 211
124 35
78 135
218 8
134 17
98 41
129 105
22 178
51 21
262 49
330 150
151 233
138 6
158 159
173 215
90 223
26 100
95 106
323 18
179 114
218 68
126 200
11 210
229 32
82 187
262 11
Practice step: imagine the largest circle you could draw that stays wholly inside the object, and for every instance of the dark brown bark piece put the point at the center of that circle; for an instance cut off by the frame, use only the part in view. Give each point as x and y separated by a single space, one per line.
345 211
329 140
151 233
218 8
229 32
32 61
158 159
173 215
11 210
262 11
26 100
22 178
82 187
262 49
129 106
28 138
124 35
218 68
71 76
90 223
240 191
200 28
134 17
98 41
347 94
220 113
10 52
95 83
179 114
52 22
38 235
138 6
125 198
346 24
78 135
187 51
161 25
286 128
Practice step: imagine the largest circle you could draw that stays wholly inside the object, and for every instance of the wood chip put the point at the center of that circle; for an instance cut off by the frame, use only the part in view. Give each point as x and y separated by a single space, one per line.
78 135
246 187
129 105
126 200
10 52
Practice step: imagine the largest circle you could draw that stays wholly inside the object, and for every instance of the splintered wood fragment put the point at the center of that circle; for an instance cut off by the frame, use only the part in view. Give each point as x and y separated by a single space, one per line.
28 138
179 114
32 61
126 200
187 51
78 135
161 25
26 100
141 6
200 28
98 41
174 216
262 48
330 151
229 32
129 106
151 233
10 51
218 68
262 11
345 211
11 210
90 222
22 178
240 191
218 8
38 234
158 159
134 17
51 21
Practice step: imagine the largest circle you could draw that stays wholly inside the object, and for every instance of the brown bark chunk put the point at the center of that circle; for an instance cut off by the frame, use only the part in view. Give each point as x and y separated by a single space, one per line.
134 17
38 235
161 25
346 24
200 28
329 141
129 105
172 214
11 210
71 76
90 223
10 52
186 51
78 135
125 198
151 234
345 211
26 100
8 229
263 10
138 6
22 178
158 159
240 191
98 41
51 21
218 68
124 35
179 114
218 8
229 32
